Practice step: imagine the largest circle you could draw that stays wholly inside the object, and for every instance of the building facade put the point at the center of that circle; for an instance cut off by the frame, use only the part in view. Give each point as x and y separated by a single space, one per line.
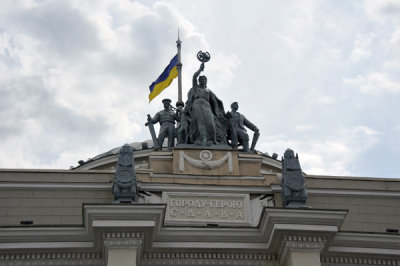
195 207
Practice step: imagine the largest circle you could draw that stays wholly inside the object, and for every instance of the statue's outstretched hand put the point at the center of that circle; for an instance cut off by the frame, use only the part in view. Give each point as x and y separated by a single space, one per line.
202 66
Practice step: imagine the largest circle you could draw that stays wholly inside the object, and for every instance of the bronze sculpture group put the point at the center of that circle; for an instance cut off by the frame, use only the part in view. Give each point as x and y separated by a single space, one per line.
203 121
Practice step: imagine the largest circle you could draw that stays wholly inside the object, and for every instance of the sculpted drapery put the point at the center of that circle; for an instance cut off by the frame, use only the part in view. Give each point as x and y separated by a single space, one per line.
206 112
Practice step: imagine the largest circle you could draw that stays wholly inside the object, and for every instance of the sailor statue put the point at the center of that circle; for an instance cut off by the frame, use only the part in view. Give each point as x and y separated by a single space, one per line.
166 118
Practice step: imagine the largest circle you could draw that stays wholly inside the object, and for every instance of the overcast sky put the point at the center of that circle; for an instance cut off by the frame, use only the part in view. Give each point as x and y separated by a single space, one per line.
320 77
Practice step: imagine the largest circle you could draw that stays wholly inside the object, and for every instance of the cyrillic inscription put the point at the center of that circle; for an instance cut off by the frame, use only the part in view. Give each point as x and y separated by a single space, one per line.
202 208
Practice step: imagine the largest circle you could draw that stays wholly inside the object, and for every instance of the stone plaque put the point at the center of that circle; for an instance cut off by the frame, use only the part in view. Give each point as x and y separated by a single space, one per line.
207 209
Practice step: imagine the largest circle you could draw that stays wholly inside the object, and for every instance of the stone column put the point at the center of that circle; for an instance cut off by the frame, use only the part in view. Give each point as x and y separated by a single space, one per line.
123 249
301 250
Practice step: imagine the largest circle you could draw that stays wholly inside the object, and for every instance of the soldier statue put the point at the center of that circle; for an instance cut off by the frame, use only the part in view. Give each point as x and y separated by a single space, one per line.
236 129
294 194
183 133
166 118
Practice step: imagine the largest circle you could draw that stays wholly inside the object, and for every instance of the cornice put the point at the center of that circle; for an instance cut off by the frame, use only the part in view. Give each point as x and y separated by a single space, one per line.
266 236
354 178
50 259
57 185
354 192
371 239
54 171
208 258
272 162
142 226
345 192
358 243
186 176
162 187
112 158
149 218
355 261
106 186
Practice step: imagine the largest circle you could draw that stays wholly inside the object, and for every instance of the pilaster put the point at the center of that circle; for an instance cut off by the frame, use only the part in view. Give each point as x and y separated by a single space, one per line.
123 249
298 250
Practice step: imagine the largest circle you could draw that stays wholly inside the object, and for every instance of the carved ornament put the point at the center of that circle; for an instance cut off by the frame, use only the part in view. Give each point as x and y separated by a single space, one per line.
205 161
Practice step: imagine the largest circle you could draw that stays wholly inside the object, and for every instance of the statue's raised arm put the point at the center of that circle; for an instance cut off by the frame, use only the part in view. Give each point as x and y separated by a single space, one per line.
196 75
202 57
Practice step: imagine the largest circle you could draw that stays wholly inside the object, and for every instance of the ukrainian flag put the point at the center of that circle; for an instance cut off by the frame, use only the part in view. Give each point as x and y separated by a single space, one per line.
165 79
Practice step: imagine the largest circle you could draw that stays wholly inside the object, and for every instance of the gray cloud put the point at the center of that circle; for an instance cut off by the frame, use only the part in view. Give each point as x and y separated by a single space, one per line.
61 28
74 76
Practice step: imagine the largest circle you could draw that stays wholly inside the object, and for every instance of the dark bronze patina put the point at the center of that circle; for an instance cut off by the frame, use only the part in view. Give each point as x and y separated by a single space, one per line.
294 194
203 121
124 185
236 130
166 118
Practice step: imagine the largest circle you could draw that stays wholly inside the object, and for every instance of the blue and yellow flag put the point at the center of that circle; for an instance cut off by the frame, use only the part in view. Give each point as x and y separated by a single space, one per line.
165 79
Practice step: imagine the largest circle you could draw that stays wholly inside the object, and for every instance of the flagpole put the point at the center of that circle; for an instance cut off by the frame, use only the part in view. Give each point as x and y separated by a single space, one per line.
179 103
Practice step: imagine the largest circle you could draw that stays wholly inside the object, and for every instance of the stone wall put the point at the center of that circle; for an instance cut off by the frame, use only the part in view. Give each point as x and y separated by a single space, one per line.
55 197
46 207
365 214
50 197
373 203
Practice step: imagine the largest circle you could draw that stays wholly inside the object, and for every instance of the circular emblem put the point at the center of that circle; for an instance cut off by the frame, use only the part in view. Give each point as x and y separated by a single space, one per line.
205 155
203 56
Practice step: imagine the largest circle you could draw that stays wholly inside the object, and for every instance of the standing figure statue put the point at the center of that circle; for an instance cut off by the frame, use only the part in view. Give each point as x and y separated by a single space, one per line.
183 134
204 109
166 118
294 194
237 131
